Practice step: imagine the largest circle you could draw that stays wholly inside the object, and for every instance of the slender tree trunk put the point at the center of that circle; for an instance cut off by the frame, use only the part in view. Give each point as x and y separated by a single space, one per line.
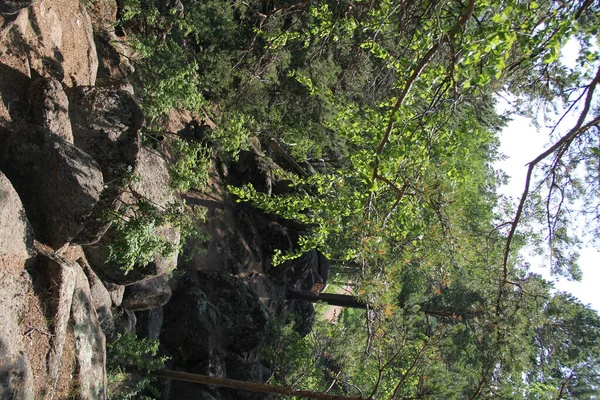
346 300
249 386
342 300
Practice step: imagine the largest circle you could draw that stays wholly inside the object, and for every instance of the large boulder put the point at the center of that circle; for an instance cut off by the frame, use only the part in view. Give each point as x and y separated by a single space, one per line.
59 183
106 123
148 294
16 237
62 273
216 314
153 186
50 107
90 342
16 375
56 38
100 297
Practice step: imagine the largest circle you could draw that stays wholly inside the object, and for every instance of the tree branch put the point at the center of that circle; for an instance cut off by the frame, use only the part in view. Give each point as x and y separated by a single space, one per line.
579 128
409 83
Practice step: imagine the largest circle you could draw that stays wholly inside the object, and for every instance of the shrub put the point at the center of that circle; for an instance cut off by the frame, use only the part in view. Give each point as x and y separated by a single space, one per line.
190 170
129 353
233 134
136 240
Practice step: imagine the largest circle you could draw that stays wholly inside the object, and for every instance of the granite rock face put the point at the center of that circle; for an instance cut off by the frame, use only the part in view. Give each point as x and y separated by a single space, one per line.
146 295
16 237
59 183
106 124
50 107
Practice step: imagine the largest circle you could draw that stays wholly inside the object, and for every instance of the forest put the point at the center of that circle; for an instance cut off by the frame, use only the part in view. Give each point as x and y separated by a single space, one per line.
388 111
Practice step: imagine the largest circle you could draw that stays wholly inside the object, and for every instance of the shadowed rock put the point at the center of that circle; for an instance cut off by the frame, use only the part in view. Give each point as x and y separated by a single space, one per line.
8 7
106 123
59 183
148 294
215 315
50 107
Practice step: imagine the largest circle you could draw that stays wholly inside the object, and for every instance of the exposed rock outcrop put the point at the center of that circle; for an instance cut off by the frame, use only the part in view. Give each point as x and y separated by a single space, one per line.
106 123
90 342
62 273
50 107
148 294
56 39
16 237
16 375
100 297
59 183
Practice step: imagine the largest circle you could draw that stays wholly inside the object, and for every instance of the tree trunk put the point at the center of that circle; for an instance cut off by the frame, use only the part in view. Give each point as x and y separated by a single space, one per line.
342 300
345 300
249 386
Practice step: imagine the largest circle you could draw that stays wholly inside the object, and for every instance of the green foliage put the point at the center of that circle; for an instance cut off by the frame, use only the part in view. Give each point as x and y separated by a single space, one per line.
393 106
289 355
127 350
127 353
192 165
166 75
137 224
136 239
234 133
167 79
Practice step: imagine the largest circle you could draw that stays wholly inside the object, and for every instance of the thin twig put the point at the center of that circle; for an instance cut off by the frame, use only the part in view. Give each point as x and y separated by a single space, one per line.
31 329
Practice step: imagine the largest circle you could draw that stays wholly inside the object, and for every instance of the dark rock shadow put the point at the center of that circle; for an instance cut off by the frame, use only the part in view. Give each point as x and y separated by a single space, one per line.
13 92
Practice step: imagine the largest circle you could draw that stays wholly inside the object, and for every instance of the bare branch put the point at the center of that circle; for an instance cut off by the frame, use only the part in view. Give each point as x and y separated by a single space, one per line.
579 128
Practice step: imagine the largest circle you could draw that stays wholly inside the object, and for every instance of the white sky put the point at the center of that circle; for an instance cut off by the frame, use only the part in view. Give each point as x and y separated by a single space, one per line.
521 143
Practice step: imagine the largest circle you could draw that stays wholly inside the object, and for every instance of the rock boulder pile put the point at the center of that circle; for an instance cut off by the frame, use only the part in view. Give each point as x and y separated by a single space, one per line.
69 147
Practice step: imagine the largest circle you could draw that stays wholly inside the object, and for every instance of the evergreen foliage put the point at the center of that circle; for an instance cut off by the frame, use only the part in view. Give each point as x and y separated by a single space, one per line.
393 103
